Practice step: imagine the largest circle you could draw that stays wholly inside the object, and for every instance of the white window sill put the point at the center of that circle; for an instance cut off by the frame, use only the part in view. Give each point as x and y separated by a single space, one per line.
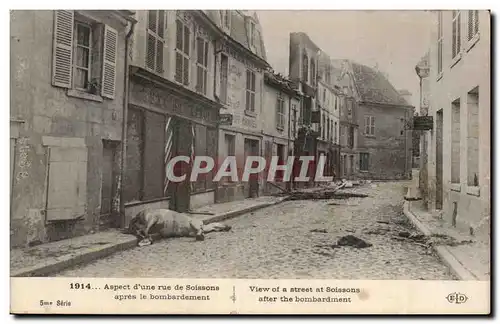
363 171
456 59
472 42
280 129
473 191
455 187
84 95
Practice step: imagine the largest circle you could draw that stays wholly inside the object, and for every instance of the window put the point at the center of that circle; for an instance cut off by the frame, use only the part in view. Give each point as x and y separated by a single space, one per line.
280 113
363 161
224 69
335 133
328 129
201 64
323 127
294 120
440 43
324 96
230 148
456 37
370 125
455 141
252 33
349 108
83 33
226 19
351 137
313 72
472 23
305 68
250 91
84 54
156 40
182 52
473 125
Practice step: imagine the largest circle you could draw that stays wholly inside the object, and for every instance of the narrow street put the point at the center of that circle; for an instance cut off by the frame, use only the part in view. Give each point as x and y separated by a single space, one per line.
291 240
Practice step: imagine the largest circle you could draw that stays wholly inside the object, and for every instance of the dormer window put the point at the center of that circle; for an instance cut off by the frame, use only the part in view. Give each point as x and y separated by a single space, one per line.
252 33
226 19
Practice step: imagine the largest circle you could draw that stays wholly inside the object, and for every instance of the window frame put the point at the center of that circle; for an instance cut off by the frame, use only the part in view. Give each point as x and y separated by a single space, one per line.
158 39
280 113
456 47
74 64
440 43
361 162
181 51
224 78
250 92
369 125
204 66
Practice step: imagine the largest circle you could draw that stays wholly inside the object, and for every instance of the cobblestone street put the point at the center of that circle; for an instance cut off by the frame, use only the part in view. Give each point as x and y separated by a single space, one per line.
290 240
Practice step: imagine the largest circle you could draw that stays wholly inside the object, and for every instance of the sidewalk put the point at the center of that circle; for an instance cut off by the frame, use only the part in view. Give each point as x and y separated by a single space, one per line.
469 261
45 259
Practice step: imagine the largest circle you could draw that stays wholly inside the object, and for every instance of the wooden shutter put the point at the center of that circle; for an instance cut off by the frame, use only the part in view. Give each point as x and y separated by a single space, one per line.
62 56
109 62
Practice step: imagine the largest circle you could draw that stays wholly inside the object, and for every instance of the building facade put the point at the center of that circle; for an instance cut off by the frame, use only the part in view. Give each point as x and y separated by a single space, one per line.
239 79
384 139
459 145
66 115
279 119
172 110
303 70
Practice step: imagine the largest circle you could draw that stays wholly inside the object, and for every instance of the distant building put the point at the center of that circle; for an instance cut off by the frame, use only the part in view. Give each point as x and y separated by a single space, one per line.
384 138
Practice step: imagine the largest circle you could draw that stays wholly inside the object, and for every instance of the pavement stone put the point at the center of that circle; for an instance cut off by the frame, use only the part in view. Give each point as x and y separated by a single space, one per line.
277 242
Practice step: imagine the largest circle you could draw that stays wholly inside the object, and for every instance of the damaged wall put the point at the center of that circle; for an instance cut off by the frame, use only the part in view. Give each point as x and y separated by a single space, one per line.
55 117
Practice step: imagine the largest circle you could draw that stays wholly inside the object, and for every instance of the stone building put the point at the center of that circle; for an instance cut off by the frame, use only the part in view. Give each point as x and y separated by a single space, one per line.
172 109
67 90
328 102
303 69
459 144
279 123
383 139
239 79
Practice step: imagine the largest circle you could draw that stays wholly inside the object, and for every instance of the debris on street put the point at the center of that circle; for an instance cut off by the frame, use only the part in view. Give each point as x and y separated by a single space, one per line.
351 240
319 230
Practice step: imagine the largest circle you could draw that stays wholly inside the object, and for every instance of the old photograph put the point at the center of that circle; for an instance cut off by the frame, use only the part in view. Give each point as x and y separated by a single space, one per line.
250 144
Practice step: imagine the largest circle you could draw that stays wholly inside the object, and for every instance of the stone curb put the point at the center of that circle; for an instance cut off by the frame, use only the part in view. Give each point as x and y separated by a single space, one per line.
91 254
442 251
85 256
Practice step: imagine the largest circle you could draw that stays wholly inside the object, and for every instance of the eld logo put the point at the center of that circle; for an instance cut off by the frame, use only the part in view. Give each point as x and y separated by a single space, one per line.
456 298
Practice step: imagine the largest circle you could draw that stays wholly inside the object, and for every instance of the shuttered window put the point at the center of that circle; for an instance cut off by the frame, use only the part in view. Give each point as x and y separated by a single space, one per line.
472 23
182 52
224 69
305 68
109 63
63 48
280 113
84 54
250 91
456 34
440 43
201 65
156 40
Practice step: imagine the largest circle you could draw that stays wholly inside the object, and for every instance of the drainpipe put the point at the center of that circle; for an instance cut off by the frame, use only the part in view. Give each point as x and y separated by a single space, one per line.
217 126
123 164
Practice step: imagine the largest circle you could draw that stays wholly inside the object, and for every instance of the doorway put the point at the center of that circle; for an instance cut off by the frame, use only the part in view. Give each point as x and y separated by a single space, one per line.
182 142
252 149
439 159
110 171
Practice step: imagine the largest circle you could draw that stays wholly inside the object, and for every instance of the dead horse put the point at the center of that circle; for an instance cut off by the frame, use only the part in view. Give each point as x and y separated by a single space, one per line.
168 223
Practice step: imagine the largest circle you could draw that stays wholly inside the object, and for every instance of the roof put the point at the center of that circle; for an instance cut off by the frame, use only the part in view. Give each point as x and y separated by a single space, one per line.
279 81
239 31
373 87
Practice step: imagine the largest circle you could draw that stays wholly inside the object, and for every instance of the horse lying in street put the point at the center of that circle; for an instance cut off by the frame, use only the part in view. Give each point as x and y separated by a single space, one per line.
168 223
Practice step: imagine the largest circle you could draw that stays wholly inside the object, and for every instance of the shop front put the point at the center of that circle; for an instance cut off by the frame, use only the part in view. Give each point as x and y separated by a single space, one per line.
164 121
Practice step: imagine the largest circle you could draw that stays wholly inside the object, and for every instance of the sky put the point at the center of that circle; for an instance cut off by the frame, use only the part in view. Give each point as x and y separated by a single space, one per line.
395 40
